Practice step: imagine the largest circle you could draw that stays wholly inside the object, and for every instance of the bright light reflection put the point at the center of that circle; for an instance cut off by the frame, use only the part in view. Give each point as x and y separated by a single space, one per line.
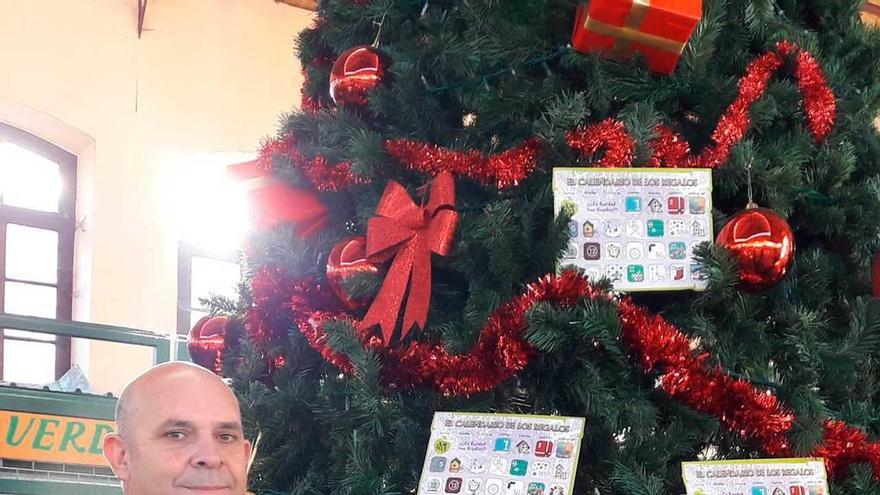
210 208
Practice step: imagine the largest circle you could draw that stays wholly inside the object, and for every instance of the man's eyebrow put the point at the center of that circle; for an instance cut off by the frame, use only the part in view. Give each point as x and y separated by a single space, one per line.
229 425
176 423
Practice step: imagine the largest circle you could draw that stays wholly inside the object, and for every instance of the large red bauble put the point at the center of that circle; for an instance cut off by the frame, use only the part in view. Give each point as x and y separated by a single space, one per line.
207 342
348 258
762 243
354 73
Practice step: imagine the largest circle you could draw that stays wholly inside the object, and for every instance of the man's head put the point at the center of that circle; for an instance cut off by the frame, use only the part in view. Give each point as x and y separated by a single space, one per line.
178 432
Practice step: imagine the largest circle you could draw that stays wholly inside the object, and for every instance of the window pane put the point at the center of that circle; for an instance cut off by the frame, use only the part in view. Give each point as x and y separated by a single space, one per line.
28 362
32 300
210 276
31 254
48 337
28 180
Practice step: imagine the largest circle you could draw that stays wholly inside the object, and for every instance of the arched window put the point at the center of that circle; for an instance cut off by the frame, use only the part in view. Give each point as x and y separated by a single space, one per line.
37 223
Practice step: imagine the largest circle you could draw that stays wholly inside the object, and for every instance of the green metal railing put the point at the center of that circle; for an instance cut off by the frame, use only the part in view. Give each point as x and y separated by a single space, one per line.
161 344
75 404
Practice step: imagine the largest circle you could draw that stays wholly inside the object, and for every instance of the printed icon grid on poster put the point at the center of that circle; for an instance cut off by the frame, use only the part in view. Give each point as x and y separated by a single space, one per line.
637 227
501 454
756 477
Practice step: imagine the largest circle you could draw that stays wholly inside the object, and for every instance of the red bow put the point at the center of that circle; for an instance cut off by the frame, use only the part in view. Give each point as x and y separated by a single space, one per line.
273 202
409 233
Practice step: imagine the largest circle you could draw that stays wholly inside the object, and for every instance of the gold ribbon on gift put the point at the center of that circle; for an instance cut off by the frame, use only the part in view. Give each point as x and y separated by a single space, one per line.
629 32
870 13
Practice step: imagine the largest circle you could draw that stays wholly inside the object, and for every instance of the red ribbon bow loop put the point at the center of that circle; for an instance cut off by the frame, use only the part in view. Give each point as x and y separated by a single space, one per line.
409 233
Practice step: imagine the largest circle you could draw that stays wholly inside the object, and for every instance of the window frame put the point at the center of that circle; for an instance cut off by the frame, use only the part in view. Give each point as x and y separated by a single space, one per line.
63 222
185 253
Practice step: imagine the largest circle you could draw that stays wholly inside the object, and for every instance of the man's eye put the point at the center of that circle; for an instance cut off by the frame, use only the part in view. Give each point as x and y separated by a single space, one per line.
228 437
175 435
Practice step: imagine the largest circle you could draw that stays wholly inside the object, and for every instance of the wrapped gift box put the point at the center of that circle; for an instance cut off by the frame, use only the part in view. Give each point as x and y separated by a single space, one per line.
659 29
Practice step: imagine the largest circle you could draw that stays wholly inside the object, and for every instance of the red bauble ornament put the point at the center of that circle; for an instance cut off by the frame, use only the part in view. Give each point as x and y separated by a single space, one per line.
354 73
207 342
763 244
348 258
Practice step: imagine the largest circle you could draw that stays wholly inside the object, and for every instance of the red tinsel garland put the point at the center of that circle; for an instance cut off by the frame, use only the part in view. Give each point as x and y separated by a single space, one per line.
503 170
311 105
276 296
753 413
308 104
819 103
609 134
323 176
657 345
669 149
500 351
271 288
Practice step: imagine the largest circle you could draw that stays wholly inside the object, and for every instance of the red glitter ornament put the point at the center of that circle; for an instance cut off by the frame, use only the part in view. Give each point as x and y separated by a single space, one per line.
355 72
762 243
207 342
349 258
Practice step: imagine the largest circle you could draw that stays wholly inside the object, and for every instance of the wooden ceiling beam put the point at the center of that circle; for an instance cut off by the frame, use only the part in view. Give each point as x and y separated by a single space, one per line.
142 12
302 4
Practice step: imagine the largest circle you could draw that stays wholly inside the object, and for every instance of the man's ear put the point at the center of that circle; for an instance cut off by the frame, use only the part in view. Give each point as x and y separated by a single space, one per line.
117 455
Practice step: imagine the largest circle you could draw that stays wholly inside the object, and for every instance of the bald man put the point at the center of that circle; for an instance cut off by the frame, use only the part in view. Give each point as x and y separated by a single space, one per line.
178 432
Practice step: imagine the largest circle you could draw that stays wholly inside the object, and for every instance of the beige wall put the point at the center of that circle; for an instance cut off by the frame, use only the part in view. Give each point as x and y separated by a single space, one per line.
206 76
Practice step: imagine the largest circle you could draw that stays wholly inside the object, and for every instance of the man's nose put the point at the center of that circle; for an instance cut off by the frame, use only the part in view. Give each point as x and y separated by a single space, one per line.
206 454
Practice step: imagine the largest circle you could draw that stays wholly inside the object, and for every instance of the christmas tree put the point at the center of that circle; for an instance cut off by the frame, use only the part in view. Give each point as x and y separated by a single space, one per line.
418 263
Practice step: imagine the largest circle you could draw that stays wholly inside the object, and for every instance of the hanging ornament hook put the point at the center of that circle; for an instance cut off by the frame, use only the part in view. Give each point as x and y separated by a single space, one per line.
751 204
